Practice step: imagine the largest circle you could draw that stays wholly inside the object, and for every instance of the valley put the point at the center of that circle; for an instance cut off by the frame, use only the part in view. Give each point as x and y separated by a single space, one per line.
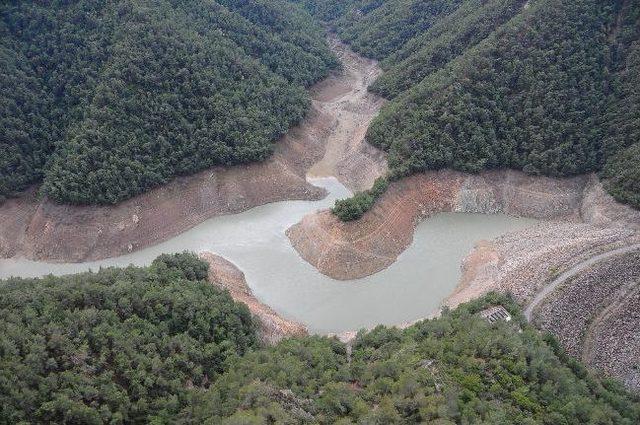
320 212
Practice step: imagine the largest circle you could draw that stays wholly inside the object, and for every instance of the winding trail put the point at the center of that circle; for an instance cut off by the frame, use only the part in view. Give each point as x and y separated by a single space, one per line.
578 268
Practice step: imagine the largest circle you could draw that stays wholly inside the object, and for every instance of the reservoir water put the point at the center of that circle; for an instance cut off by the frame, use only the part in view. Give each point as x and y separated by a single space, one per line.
412 288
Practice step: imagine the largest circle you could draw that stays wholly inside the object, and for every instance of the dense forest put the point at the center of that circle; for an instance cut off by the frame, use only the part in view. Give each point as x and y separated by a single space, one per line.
161 345
104 100
544 86
116 346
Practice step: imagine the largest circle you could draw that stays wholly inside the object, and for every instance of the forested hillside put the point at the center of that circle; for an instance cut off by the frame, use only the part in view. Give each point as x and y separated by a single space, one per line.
160 345
117 346
545 86
457 369
104 100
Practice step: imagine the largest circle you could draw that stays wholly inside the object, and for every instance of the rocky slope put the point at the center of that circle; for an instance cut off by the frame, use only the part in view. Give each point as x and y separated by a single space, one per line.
42 230
347 155
355 249
595 315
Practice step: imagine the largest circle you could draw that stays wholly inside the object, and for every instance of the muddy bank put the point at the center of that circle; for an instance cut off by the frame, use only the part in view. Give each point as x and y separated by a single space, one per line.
341 110
523 263
273 328
42 230
357 249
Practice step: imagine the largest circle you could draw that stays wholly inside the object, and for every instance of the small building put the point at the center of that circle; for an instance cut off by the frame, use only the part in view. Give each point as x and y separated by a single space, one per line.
493 314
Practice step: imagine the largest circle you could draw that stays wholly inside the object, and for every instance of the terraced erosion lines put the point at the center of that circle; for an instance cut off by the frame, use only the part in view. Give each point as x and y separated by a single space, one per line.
590 346
579 217
540 296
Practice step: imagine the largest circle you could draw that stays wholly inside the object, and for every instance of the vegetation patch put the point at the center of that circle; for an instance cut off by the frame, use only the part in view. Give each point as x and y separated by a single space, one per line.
161 345
622 176
353 208
116 346
543 86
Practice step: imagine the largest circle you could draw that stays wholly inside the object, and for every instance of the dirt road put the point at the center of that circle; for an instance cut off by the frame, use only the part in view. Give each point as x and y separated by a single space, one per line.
575 270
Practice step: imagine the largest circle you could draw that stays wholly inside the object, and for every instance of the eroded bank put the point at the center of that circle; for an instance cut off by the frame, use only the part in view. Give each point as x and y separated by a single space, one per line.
330 138
578 216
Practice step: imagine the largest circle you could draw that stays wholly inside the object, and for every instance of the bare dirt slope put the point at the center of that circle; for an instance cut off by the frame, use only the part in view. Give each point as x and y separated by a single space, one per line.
347 156
226 275
595 314
524 263
583 218
43 230
341 110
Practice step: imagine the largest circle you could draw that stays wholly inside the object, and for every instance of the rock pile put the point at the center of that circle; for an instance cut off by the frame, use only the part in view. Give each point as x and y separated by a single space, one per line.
596 317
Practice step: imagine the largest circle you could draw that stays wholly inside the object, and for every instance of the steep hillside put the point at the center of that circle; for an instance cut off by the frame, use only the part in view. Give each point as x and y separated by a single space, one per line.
117 346
104 100
159 345
622 170
455 369
543 86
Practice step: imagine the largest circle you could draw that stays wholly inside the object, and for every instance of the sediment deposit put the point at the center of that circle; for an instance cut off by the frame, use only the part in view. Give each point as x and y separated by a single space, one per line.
596 317
344 96
226 275
576 210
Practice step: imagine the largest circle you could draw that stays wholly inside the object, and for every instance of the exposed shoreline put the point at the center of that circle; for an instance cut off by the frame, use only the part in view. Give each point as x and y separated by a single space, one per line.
226 275
580 220
341 110
351 250
581 224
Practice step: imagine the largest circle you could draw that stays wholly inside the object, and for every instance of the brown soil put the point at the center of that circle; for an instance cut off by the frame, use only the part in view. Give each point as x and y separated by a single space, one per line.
596 319
273 328
357 249
351 250
42 230
347 156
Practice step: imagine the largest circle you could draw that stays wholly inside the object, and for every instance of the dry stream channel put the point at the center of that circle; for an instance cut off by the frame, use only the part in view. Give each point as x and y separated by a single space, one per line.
255 241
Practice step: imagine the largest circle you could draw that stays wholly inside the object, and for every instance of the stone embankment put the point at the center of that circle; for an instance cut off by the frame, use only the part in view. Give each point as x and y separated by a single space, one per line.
331 134
226 275
596 316
523 263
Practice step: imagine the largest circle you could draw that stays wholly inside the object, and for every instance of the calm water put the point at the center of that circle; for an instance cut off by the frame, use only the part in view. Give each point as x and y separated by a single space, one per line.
413 287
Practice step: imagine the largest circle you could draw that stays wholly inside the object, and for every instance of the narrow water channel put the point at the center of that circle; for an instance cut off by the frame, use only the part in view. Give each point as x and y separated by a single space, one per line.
255 241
